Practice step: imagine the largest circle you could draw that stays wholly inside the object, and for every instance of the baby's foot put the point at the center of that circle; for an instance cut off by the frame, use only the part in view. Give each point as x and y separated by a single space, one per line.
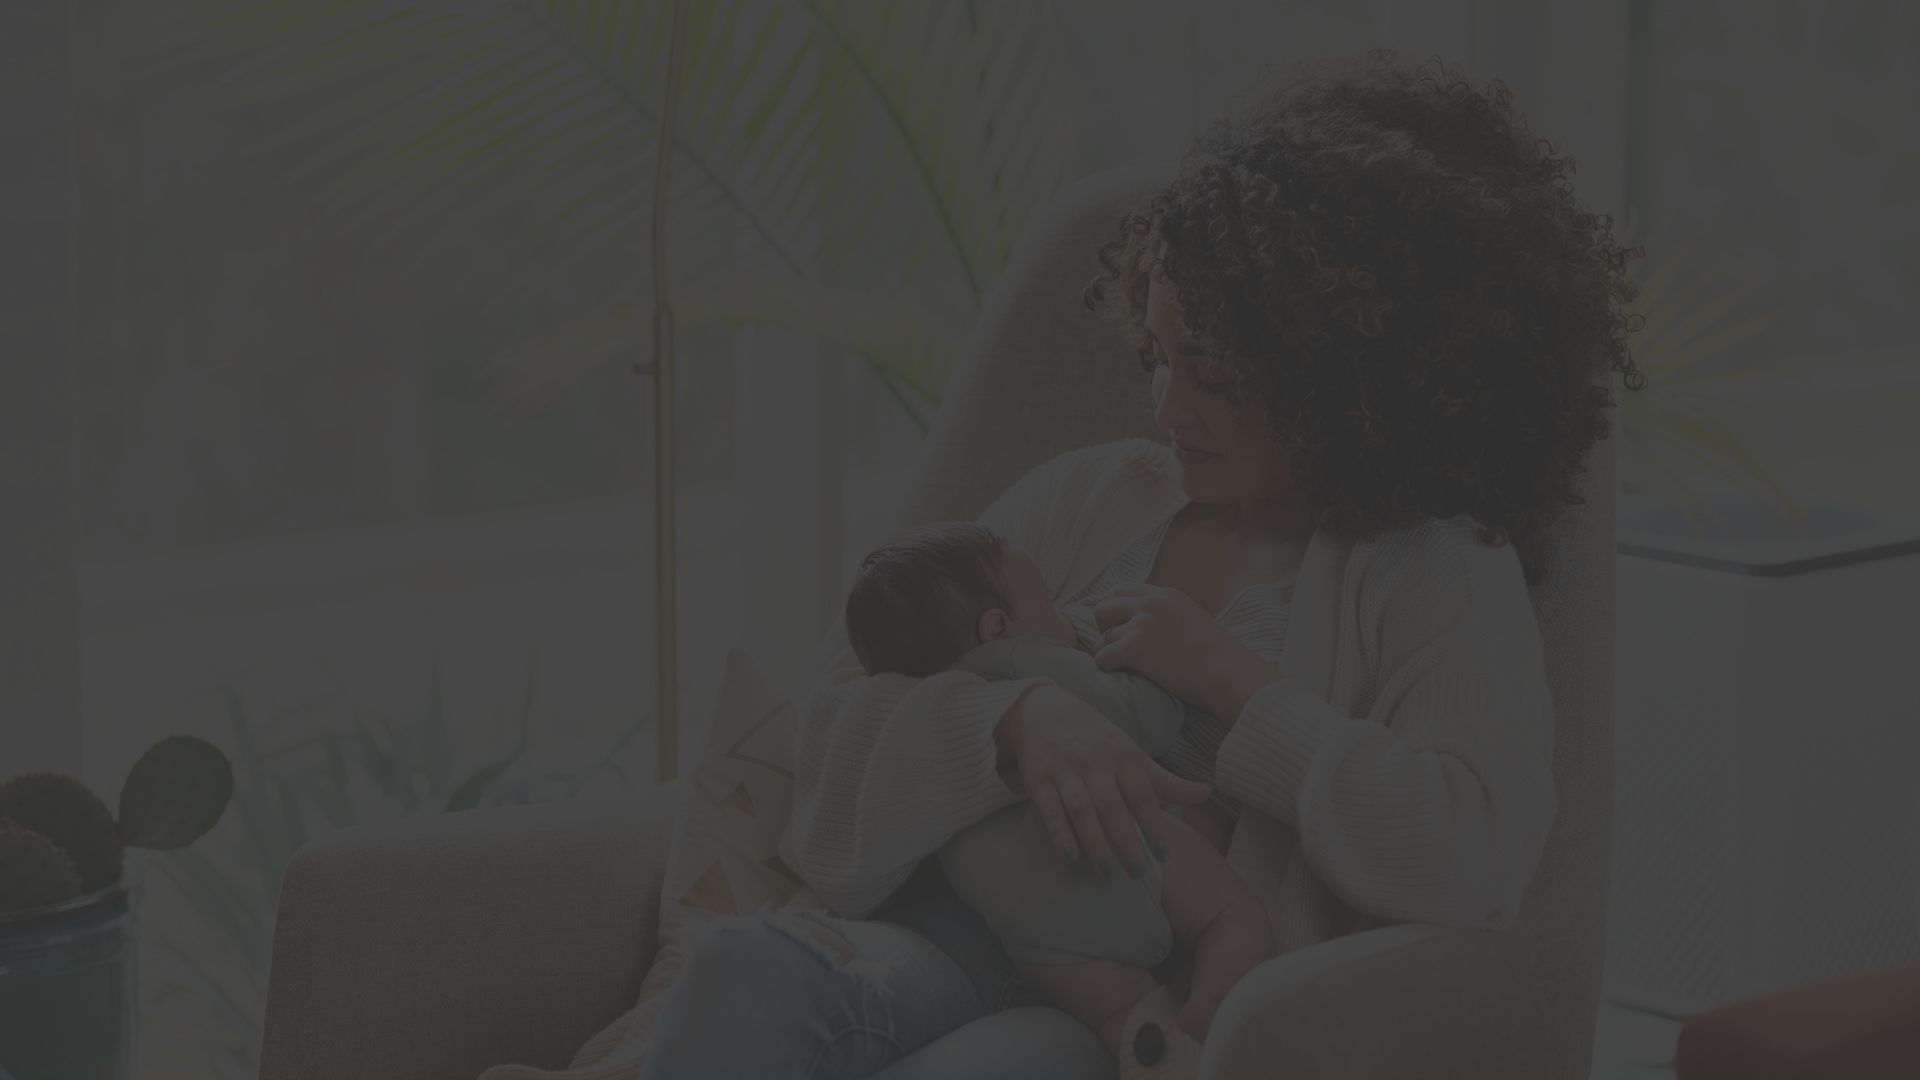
1134 1016
1215 914
1237 940
1149 1043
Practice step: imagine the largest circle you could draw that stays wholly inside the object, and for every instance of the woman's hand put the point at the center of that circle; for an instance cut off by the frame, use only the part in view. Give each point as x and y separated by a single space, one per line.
1092 783
1163 634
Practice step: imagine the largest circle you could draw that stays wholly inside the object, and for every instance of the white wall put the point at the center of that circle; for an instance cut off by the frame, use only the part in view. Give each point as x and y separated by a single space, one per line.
1153 74
39 657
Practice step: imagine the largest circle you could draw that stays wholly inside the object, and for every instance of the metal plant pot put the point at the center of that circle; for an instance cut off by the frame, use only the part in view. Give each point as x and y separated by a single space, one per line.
67 988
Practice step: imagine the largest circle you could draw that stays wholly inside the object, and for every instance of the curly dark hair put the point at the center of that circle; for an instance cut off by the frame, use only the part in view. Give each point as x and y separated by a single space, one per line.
1389 259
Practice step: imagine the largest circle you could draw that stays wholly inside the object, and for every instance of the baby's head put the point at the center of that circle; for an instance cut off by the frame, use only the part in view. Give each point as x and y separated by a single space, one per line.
921 602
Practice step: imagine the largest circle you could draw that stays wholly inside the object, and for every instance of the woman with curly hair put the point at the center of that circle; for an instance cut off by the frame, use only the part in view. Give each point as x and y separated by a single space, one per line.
1378 326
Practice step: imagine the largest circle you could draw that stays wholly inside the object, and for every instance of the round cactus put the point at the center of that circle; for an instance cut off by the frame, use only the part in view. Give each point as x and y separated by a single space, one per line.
33 871
175 793
61 809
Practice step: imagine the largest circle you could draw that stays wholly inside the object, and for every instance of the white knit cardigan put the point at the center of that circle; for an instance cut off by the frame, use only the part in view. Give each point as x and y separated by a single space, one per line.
1398 770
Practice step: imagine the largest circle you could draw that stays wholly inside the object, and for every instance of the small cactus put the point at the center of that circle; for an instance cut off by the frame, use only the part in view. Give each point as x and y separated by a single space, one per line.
174 795
64 811
33 871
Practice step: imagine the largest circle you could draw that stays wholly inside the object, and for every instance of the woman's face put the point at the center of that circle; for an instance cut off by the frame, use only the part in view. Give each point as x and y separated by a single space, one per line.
1228 452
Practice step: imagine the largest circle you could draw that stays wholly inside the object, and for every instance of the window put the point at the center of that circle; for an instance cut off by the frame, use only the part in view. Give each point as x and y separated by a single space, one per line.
308 528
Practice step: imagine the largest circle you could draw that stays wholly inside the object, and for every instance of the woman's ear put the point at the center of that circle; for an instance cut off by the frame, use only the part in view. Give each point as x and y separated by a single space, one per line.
994 625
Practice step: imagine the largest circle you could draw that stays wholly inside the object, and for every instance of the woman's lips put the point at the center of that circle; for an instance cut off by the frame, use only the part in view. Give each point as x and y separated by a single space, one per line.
1192 457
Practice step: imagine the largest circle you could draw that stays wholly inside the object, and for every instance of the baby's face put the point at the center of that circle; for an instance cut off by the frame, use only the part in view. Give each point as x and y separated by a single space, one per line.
1030 603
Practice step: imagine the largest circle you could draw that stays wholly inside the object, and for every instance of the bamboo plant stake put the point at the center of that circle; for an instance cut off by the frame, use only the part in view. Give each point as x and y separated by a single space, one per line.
666 598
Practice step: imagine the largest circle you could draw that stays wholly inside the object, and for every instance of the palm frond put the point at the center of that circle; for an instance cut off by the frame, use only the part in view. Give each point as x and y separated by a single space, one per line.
893 332
1695 331
978 100
1701 332
1652 464
432 130
1721 451
823 139
210 956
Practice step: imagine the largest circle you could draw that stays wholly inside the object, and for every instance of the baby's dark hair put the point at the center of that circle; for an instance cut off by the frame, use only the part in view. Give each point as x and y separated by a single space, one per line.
916 602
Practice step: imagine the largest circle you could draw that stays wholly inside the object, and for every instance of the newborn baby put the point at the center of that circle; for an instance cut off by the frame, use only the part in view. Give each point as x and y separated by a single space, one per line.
958 597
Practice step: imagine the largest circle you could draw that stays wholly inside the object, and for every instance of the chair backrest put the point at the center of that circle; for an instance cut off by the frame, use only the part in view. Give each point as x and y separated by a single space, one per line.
1044 375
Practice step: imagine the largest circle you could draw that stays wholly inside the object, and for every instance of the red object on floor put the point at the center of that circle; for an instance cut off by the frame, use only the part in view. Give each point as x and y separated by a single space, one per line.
1862 1028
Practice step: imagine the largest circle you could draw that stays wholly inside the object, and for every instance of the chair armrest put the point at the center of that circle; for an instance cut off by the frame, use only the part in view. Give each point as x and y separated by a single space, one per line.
1411 1001
439 946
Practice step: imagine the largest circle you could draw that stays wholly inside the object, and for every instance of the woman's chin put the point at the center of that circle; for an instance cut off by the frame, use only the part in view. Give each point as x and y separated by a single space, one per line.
1196 489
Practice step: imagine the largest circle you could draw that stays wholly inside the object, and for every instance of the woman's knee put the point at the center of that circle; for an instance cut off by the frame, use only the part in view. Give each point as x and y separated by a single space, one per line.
754 997
755 956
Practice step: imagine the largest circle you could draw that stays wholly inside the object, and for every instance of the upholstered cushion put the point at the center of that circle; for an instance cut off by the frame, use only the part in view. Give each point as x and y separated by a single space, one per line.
1017 1044
1861 1028
1044 375
727 857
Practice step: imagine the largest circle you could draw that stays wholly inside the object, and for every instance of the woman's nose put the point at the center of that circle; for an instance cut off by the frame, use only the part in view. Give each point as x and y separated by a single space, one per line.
1171 406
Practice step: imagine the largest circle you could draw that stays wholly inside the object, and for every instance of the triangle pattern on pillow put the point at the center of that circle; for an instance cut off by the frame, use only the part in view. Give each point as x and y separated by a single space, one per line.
768 741
741 801
712 892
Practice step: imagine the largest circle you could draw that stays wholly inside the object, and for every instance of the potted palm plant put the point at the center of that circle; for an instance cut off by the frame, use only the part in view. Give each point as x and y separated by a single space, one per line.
1703 387
818 166
67 900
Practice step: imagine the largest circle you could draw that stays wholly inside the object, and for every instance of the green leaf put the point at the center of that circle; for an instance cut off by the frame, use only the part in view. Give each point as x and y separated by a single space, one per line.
207 983
380 765
259 839
175 793
425 122
1721 448
212 887
437 741
890 330
1667 358
469 792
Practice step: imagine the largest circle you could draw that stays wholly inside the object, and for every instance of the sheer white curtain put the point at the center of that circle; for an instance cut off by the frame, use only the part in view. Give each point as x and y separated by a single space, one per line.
814 440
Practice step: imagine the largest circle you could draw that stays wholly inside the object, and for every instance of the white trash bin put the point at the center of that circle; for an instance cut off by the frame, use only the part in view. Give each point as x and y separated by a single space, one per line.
1767 755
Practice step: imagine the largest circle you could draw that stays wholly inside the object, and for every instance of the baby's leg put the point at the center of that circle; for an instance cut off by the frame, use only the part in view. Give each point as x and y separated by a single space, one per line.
1099 993
1217 915
1050 912
1209 909
1086 939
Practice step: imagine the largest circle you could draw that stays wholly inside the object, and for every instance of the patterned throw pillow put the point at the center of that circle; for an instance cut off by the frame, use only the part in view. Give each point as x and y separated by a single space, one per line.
725 857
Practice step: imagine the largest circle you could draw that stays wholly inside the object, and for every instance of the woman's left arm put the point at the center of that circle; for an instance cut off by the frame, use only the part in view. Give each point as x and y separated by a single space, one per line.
1439 813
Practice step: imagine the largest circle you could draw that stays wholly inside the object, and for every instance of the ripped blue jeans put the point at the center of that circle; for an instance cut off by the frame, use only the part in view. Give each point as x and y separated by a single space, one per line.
796 995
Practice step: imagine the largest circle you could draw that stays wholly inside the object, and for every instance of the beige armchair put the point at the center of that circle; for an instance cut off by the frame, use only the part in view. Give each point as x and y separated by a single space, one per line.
435 949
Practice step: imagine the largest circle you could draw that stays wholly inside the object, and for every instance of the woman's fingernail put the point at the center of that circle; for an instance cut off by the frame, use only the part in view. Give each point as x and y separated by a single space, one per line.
1160 854
1106 868
1068 853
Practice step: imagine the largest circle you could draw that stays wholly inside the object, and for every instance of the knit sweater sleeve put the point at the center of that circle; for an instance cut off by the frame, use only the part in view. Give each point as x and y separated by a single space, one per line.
887 768
1436 808
1136 704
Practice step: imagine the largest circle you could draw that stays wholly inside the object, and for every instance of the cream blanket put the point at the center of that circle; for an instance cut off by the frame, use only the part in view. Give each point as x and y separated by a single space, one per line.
724 860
